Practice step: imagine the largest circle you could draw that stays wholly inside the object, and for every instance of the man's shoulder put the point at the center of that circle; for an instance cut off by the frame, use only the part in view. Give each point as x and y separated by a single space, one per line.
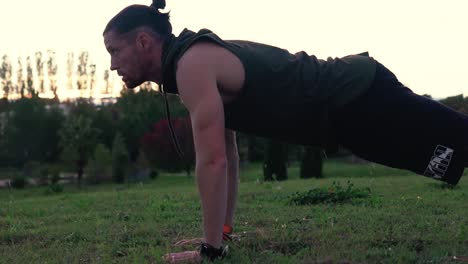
201 53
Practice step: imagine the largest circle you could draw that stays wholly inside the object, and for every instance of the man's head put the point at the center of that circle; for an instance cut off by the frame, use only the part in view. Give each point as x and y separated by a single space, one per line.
134 38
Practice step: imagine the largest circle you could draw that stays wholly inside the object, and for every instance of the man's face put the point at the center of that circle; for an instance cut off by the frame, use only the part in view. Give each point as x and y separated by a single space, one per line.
125 58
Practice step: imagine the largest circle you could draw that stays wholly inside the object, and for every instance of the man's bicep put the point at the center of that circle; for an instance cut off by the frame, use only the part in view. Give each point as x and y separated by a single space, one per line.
199 92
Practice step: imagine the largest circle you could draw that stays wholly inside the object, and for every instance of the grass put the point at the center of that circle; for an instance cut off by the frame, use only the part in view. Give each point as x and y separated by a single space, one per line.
407 219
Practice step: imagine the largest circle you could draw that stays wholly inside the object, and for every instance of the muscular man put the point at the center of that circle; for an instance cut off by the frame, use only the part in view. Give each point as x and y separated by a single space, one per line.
266 91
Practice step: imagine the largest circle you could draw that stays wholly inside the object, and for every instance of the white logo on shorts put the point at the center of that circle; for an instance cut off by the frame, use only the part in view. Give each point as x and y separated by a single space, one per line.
439 163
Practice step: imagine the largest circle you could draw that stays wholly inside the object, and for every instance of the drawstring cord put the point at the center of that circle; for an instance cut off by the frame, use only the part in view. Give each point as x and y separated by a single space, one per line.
175 141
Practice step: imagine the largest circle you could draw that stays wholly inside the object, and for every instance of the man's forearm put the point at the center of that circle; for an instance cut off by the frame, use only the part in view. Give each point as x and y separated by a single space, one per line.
211 179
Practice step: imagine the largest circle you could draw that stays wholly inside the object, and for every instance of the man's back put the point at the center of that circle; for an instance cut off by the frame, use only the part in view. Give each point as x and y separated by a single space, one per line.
278 88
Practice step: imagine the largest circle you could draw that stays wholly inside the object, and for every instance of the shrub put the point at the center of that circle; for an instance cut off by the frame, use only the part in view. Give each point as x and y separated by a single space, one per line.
55 175
160 151
18 182
31 168
154 174
43 178
54 189
333 194
99 168
120 159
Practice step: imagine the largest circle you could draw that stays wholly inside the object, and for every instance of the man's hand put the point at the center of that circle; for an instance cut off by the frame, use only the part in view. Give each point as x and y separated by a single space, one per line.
206 251
183 257
190 241
227 236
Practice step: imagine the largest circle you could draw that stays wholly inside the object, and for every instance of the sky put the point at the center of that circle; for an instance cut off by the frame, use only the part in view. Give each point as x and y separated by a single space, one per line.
424 42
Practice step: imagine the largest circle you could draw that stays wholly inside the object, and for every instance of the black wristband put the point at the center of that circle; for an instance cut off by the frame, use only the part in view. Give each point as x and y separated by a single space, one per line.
227 237
212 253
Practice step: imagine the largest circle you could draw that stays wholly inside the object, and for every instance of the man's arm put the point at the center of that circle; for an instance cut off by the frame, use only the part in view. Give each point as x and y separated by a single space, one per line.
232 175
196 81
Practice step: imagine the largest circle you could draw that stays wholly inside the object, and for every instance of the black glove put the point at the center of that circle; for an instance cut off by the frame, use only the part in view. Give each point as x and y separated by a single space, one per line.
211 253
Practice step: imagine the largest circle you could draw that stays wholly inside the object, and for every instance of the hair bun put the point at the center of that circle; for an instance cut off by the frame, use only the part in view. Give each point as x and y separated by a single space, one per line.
158 4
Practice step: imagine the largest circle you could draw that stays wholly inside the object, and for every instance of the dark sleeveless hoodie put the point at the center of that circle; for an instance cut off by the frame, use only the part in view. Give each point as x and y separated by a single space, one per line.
285 96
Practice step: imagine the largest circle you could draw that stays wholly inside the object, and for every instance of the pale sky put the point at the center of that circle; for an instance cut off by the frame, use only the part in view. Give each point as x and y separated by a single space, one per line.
424 42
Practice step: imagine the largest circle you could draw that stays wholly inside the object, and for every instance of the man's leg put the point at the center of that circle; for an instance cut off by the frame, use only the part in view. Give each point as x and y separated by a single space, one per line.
393 126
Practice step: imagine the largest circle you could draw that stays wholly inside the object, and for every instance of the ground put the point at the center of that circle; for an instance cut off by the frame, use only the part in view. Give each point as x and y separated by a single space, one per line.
407 219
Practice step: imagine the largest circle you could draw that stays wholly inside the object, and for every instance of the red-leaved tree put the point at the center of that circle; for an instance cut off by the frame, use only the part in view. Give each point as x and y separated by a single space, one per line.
160 151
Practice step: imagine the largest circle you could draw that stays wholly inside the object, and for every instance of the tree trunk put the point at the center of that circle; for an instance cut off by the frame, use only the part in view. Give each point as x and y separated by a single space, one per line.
276 157
80 165
312 163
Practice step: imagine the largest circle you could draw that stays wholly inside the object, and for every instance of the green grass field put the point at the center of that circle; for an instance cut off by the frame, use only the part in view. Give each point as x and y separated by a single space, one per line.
408 219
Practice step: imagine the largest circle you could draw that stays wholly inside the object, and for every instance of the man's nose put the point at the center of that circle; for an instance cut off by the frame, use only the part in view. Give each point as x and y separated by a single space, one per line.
113 65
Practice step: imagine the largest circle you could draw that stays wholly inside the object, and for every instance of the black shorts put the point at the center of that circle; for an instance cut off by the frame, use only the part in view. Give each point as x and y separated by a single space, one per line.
391 125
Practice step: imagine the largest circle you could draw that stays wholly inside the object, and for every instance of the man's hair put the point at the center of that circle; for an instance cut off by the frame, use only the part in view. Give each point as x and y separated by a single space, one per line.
136 16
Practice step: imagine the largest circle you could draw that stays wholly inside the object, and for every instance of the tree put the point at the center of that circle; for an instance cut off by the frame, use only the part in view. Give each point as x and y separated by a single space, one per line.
82 72
146 86
106 86
70 61
456 102
255 148
92 79
52 72
4 115
312 163
31 131
99 166
24 131
6 74
40 71
84 107
29 77
78 138
158 147
53 121
136 113
120 159
21 84
105 119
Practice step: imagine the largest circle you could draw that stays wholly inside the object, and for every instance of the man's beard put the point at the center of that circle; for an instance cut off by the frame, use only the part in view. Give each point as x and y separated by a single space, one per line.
131 84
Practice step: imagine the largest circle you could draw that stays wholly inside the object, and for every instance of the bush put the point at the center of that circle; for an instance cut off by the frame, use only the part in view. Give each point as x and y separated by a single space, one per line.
43 174
31 168
120 159
99 168
55 175
333 194
160 151
43 178
18 182
154 174
54 188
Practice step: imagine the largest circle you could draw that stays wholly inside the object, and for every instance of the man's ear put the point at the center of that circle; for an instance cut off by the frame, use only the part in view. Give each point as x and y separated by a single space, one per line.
144 41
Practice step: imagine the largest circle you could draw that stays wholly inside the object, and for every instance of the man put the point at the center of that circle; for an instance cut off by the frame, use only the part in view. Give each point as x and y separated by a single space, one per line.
244 86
